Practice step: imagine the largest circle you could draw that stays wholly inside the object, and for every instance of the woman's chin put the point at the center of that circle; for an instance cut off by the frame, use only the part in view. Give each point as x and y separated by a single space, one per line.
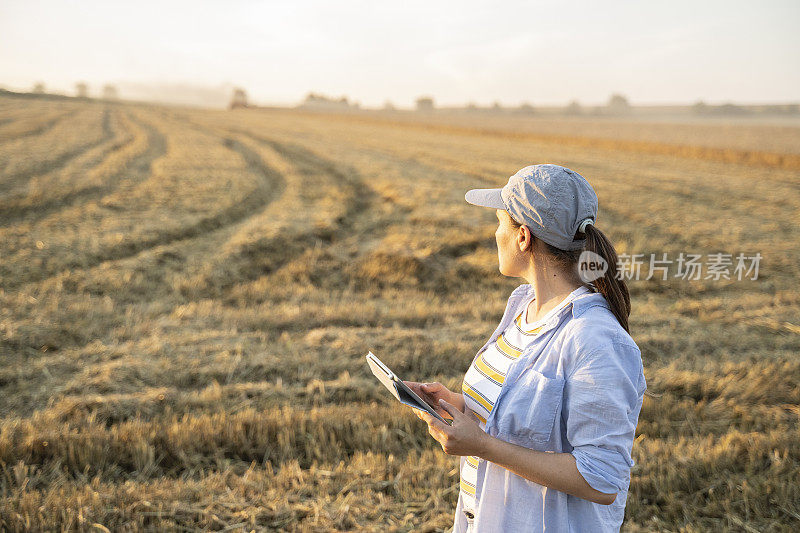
507 273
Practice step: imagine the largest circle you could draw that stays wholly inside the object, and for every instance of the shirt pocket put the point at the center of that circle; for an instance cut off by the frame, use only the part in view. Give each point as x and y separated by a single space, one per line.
531 405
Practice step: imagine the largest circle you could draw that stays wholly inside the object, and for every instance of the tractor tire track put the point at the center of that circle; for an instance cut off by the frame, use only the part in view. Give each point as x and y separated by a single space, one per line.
267 256
270 188
38 130
12 180
248 262
138 167
220 220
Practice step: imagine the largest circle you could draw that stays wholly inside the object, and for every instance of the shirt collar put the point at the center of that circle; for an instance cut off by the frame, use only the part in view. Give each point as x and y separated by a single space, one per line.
587 300
580 303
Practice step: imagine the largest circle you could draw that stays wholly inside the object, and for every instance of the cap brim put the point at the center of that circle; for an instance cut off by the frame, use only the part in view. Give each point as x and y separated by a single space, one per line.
485 198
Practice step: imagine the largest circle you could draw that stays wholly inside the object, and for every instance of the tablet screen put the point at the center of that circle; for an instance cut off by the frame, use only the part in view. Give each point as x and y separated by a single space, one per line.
399 390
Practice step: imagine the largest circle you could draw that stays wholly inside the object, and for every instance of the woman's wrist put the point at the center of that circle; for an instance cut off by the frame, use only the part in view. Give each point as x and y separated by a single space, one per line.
498 451
486 446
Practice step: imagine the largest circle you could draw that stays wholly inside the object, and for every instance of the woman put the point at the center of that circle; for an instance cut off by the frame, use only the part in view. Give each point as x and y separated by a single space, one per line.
546 417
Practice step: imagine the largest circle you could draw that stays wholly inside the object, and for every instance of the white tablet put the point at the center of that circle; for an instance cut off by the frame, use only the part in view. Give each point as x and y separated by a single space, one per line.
399 389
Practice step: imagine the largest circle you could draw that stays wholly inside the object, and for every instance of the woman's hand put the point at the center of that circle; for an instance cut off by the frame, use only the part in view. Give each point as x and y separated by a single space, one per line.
433 392
463 437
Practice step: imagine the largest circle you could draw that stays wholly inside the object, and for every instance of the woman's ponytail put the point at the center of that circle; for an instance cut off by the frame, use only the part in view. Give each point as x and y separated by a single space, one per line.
612 287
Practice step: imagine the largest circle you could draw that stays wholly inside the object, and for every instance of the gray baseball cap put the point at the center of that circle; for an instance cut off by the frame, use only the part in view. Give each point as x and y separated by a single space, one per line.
553 201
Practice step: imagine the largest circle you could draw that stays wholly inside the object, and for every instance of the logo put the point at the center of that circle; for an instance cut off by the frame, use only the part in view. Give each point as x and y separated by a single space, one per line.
591 266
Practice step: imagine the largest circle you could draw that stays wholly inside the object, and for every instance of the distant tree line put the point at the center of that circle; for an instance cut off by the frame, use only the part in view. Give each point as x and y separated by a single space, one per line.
322 102
109 92
617 104
729 109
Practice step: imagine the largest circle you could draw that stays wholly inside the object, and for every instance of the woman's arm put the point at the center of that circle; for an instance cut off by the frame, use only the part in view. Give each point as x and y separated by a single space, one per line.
555 470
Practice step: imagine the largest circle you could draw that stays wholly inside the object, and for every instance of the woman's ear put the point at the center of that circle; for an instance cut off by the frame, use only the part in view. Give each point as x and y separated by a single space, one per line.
525 239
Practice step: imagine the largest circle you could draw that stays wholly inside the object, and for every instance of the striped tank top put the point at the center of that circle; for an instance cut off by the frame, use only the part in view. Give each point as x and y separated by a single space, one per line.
484 379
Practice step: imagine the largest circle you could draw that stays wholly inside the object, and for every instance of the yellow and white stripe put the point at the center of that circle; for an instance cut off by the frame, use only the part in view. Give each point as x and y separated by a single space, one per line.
506 348
484 379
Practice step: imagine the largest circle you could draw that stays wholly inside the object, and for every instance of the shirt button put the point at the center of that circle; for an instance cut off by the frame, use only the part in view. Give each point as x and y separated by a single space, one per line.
469 514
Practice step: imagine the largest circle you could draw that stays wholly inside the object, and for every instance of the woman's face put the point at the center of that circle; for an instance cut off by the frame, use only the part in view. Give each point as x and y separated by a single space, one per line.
510 241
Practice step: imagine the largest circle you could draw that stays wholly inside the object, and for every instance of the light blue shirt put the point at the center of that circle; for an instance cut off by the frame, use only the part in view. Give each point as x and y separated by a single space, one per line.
576 388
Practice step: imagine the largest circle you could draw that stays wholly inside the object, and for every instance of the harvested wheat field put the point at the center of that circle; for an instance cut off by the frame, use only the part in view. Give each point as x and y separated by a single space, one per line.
187 296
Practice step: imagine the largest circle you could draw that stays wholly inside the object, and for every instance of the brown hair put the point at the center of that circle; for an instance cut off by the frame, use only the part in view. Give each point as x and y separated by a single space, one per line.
613 288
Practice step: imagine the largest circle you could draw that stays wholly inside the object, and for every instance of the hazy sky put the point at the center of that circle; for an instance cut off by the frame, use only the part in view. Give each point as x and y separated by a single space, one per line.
541 52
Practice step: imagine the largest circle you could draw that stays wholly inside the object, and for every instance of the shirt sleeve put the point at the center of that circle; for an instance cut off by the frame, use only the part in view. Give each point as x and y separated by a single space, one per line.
603 398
